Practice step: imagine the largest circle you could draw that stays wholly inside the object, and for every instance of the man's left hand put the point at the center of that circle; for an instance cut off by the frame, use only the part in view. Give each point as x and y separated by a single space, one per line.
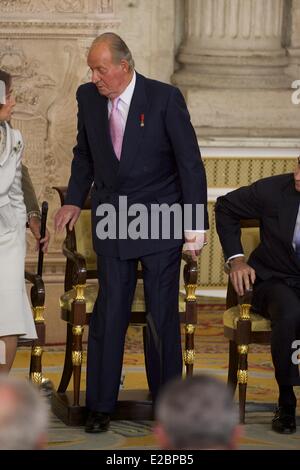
35 227
194 242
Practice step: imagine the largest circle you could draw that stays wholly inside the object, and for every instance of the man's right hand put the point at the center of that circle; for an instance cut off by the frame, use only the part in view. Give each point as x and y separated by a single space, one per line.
242 276
67 214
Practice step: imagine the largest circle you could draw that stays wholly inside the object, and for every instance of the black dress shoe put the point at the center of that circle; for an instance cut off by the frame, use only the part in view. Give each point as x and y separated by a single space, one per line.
284 420
97 422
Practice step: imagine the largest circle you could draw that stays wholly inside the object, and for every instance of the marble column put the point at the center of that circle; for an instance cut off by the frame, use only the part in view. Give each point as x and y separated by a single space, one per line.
233 43
294 46
233 68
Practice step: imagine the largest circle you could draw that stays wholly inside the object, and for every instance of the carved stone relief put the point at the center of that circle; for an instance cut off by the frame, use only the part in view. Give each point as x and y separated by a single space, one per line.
15 6
105 6
56 18
27 78
47 67
31 88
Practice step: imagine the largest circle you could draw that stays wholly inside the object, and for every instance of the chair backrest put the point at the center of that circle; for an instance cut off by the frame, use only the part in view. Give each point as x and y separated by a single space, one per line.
84 243
250 237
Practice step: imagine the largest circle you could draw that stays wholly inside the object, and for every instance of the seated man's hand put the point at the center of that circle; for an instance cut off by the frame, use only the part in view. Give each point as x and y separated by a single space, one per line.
67 214
34 224
194 242
242 276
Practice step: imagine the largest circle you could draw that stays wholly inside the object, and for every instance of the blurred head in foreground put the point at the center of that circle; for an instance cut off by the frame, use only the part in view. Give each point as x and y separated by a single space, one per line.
23 415
196 413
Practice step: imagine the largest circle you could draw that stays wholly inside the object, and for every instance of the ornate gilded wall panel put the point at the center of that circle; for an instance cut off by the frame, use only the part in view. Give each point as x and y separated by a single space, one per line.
56 6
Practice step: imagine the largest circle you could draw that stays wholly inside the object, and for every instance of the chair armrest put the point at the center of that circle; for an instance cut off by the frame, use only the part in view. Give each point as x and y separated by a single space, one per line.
37 292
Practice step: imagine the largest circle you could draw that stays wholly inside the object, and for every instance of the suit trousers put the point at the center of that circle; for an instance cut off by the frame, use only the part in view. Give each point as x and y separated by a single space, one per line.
111 316
280 303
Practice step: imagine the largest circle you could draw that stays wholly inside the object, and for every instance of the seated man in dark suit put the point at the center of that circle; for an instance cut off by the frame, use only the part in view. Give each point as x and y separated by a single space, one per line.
33 209
274 270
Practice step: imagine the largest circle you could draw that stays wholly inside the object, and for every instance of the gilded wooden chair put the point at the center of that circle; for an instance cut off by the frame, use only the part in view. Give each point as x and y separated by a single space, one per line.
37 295
242 326
77 303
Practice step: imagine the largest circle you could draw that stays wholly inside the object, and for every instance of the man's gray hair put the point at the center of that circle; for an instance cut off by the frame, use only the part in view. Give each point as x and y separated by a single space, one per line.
197 413
118 47
23 415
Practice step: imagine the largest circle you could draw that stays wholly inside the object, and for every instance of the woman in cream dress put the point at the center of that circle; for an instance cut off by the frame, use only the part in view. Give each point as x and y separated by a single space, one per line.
15 313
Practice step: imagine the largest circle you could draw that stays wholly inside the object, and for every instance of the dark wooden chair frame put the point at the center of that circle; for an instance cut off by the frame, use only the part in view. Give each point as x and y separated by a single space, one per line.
37 294
241 337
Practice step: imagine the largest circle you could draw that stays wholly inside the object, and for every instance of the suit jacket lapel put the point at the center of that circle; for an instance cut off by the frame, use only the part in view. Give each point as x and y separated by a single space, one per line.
102 135
135 127
288 211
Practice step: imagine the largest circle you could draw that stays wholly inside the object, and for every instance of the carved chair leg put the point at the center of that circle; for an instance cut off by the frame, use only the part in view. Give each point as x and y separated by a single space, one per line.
242 377
243 339
146 355
233 365
77 332
190 273
242 401
36 365
189 353
35 369
68 366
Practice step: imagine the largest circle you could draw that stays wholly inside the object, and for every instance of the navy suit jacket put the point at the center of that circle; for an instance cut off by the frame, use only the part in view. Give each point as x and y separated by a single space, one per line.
274 201
160 160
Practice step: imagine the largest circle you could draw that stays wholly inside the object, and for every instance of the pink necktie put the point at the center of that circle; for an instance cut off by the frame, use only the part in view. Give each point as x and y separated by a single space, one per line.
116 128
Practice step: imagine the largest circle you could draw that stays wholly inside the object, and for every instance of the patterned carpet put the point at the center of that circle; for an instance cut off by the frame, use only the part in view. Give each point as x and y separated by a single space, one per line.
211 357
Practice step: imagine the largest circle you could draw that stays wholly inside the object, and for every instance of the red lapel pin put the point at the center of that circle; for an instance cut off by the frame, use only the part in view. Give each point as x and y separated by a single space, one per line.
142 120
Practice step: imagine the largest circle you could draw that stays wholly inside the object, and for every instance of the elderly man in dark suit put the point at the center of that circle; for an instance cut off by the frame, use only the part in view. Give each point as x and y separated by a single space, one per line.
135 143
274 270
